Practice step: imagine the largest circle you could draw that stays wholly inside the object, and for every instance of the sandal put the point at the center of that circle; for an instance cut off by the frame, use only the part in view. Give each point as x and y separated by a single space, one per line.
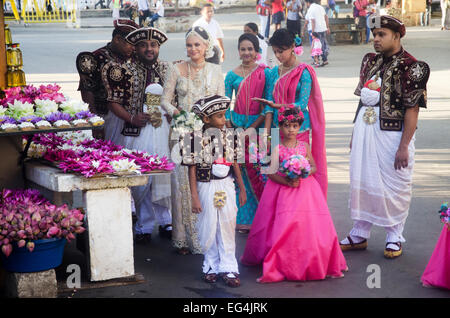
391 253
210 277
244 231
231 279
353 246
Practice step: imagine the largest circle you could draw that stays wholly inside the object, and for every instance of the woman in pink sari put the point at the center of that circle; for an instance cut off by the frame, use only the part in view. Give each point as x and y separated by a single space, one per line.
247 81
293 235
437 272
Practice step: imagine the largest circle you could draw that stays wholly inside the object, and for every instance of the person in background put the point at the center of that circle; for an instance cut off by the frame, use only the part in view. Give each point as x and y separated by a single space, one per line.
293 17
318 19
159 12
445 24
277 13
144 11
331 6
215 31
361 6
371 9
263 10
425 16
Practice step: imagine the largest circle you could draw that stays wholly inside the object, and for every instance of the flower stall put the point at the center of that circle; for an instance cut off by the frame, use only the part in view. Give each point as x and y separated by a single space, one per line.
46 156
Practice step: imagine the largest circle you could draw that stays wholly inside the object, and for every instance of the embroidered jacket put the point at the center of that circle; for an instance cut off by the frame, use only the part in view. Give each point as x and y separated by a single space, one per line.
89 66
403 85
203 150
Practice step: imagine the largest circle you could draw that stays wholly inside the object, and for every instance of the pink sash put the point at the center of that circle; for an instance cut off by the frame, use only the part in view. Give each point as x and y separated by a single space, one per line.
251 86
284 93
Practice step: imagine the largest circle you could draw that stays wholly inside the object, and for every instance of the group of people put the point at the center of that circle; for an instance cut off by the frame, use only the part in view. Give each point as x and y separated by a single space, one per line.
202 204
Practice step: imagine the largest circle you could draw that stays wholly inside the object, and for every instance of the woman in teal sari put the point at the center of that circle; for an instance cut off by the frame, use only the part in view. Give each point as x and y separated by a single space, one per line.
247 81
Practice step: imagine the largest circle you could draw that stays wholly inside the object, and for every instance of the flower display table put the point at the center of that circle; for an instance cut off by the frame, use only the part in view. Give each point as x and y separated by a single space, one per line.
107 202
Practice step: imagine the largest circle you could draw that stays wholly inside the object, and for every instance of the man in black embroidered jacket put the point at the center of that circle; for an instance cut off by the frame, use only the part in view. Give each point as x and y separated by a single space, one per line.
392 88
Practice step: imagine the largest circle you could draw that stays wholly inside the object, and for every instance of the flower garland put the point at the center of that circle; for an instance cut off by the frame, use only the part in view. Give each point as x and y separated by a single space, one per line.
91 157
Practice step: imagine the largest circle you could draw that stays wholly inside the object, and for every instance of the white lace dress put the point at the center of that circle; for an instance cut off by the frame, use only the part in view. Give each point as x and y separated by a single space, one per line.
207 81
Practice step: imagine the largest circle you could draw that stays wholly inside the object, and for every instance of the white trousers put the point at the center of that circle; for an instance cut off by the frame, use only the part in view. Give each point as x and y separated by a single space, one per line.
263 24
148 212
217 227
393 233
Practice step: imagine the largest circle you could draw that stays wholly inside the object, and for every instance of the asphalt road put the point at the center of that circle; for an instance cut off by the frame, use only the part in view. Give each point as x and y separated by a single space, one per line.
49 53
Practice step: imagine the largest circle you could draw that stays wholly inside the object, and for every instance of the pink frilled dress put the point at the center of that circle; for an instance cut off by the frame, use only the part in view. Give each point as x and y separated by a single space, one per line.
293 235
437 272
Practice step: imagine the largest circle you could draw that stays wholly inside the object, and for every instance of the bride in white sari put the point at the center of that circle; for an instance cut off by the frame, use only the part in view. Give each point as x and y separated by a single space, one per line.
189 80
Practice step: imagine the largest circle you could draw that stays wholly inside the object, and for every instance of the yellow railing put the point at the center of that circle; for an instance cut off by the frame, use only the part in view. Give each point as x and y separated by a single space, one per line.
45 11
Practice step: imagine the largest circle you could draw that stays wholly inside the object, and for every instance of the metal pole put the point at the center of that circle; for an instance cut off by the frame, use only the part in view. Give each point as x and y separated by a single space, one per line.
3 68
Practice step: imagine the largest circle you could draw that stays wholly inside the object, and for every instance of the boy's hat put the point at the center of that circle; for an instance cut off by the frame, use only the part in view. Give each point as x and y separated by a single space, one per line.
210 105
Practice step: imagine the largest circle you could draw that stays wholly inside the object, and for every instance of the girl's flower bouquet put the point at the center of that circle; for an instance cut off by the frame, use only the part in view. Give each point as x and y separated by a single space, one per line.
186 122
295 167
26 216
444 213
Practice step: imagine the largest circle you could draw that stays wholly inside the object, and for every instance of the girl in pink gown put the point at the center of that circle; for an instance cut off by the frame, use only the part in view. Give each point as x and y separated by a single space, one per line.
437 272
293 235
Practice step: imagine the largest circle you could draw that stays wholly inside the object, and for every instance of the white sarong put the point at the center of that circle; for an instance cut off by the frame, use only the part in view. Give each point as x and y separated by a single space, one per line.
216 226
379 194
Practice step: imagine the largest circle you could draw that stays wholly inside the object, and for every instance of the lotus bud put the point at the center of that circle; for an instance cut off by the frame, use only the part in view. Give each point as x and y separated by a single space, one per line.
28 230
4 232
9 217
43 225
36 217
79 230
53 231
70 236
5 241
65 223
21 234
12 234
1 237
36 231
64 233
30 246
21 243
7 249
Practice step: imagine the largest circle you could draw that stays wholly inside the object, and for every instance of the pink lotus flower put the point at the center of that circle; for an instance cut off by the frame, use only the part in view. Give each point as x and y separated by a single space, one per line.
7 249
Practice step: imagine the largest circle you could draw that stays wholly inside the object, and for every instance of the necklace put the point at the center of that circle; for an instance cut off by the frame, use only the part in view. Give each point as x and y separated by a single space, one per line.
284 71
197 66
197 83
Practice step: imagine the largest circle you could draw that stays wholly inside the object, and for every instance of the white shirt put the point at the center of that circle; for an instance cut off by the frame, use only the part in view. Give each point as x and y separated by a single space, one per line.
212 27
142 5
160 8
317 13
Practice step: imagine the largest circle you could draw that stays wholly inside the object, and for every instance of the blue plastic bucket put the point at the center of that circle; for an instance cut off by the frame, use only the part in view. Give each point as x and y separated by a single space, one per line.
47 254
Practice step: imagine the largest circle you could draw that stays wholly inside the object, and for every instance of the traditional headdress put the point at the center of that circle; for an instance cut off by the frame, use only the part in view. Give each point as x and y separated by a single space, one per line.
146 34
125 26
205 36
386 21
210 105
290 113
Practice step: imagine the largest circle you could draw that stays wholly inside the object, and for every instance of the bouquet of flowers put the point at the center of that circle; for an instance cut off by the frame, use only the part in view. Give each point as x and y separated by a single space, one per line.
26 216
444 213
186 122
296 166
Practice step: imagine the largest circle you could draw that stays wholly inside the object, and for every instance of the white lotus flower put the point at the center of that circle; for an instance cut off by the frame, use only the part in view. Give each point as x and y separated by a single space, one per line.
74 106
45 107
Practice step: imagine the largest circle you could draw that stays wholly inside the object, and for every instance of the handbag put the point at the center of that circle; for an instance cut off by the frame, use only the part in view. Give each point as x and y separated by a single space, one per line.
262 10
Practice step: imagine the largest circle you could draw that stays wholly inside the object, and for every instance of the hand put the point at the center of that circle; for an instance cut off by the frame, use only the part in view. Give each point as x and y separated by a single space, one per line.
294 183
140 120
328 31
401 158
176 112
264 101
242 197
222 58
196 205
141 13
168 117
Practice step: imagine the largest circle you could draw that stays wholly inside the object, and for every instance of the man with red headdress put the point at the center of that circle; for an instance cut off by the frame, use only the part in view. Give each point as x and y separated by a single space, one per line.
392 88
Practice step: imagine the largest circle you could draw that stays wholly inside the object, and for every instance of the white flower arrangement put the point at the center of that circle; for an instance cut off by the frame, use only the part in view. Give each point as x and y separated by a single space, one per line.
19 109
45 107
187 122
2 110
74 106
125 165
